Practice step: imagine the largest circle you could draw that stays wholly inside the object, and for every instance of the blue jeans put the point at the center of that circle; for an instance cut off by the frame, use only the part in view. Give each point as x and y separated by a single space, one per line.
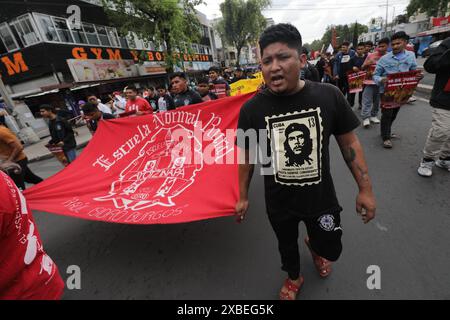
370 96
71 155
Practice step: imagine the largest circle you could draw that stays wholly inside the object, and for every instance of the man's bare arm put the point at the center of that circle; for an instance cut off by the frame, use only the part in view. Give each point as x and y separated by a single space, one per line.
354 157
245 176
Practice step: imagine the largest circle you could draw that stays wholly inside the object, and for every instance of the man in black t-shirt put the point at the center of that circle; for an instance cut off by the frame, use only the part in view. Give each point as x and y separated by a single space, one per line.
152 98
61 132
183 96
293 121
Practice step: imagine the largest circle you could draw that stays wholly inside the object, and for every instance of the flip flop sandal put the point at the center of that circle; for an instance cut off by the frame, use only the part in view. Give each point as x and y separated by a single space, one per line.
323 265
292 287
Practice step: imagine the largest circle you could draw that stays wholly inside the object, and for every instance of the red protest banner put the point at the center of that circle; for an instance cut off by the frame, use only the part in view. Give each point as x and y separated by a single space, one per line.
399 88
169 167
355 81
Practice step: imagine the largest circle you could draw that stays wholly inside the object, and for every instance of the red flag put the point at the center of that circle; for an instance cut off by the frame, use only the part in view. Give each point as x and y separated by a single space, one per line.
334 38
171 167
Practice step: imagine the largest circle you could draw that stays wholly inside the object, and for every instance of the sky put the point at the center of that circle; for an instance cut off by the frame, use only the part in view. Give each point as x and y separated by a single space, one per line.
311 17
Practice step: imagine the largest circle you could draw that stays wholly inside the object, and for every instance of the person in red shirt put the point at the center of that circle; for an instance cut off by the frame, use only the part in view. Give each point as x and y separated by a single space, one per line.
26 271
136 104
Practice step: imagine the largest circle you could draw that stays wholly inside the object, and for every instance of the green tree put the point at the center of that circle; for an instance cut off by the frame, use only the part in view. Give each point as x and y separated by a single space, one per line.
433 8
316 45
343 32
242 22
172 23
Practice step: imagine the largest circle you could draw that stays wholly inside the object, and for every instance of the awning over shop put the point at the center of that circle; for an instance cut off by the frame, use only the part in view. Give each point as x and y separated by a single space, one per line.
434 31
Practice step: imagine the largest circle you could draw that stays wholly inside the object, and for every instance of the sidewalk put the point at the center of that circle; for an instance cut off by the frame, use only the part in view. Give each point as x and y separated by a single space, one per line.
38 151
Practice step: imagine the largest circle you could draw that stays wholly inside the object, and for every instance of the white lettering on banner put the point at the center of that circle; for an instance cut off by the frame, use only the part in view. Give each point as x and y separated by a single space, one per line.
122 215
222 144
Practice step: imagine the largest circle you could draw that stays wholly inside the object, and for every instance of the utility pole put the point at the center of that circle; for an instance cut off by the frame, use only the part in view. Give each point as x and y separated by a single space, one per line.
387 13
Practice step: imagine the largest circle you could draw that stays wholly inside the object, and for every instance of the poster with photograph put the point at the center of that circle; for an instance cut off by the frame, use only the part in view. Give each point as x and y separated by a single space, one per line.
356 81
296 140
399 88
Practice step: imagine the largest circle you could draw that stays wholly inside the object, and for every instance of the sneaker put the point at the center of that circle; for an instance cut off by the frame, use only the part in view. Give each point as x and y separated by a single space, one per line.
366 123
374 120
387 144
444 164
426 168
395 136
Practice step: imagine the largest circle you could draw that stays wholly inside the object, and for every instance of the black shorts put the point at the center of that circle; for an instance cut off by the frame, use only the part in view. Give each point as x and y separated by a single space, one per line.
324 234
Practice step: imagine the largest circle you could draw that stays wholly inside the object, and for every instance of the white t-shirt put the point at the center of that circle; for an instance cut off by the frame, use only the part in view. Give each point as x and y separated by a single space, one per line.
104 108
120 104
162 105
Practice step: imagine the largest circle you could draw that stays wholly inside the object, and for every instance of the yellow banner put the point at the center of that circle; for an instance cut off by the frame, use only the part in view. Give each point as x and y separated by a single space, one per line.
245 86
258 75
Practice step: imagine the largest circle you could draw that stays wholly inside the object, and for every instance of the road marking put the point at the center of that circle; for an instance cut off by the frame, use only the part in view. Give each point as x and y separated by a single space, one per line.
379 226
425 86
421 99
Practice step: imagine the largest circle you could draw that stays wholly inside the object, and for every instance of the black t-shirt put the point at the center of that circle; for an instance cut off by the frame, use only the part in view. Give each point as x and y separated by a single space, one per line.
301 125
357 61
61 131
187 98
153 101
93 124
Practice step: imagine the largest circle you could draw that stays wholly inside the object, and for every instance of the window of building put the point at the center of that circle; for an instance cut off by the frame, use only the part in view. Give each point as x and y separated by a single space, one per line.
78 34
91 33
113 37
7 38
123 42
131 42
63 29
47 27
103 35
26 30
205 32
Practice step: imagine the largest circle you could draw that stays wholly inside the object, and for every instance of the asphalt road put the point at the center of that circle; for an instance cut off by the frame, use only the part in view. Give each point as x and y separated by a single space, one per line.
219 259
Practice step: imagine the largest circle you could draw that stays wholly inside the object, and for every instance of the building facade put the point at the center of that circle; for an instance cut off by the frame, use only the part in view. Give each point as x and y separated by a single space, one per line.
42 52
